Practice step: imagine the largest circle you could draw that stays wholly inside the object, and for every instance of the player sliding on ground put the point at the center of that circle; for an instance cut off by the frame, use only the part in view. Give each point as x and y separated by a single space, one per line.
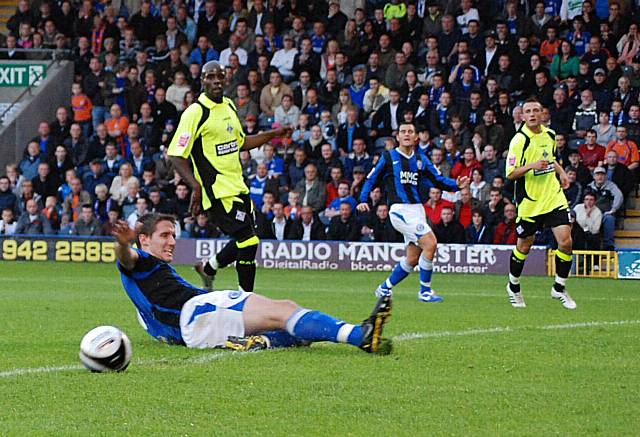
176 312
401 171
532 164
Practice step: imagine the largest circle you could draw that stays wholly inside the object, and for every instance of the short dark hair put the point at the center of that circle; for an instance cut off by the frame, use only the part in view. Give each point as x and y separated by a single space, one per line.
150 222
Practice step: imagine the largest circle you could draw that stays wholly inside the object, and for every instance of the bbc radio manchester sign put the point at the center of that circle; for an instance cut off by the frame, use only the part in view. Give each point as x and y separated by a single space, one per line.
21 75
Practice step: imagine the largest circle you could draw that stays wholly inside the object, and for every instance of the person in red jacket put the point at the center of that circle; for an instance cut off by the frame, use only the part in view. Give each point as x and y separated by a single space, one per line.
465 167
506 230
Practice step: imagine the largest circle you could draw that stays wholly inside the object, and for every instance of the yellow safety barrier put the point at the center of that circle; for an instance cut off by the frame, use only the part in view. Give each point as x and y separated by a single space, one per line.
588 264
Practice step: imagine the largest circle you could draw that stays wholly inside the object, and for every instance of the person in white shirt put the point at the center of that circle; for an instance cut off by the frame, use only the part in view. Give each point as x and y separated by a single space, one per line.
141 209
8 223
287 113
284 58
177 91
234 47
468 13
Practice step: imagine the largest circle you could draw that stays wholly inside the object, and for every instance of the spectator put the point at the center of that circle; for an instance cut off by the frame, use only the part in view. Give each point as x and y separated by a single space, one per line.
140 209
8 224
72 205
358 158
441 164
493 209
44 183
433 207
465 167
103 203
29 165
118 188
586 115
137 159
448 230
626 149
609 201
333 209
249 165
591 153
131 199
574 192
261 184
287 113
202 228
561 112
605 131
177 91
583 175
478 232
297 166
308 227
8 200
589 218
27 194
278 227
619 174
465 206
32 221
344 227
312 189
271 95
95 176
505 232
491 132
87 224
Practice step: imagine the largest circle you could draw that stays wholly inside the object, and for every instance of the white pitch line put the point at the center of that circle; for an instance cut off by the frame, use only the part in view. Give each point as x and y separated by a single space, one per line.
408 336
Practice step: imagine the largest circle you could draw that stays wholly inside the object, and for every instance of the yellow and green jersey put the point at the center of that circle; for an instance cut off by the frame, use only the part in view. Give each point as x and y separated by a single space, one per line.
538 191
211 134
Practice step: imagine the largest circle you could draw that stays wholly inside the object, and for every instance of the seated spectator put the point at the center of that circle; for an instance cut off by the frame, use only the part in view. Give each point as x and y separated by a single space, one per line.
72 205
51 210
441 164
468 163
433 207
313 145
292 210
95 176
297 167
626 149
349 131
308 227
262 184
8 200
605 131
138 160
344 227
117 126
589 219
609 201
202 228
465 206
140 209
583 175
448 230
619 174
113 217
312 189
87 224
27 194
268 199
118 188
357 184
591 153
177 91
493 209
478 232
8 223
586 115
32 221
327 162
479 186
60 163
574 192
249 165
328 129
131 199
358 158
278 227
15 178
287 113
111 162
334 208
379 227
44 183
103 203
29 165
505 232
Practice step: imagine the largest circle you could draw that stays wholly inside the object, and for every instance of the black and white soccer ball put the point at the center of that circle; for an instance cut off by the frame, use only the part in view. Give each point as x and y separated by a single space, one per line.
105 349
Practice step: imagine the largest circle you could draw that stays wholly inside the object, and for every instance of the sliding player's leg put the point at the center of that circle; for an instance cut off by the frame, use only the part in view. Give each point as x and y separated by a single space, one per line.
262 315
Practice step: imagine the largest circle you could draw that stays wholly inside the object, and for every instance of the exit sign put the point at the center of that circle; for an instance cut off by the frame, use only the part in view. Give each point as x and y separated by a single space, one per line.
21 75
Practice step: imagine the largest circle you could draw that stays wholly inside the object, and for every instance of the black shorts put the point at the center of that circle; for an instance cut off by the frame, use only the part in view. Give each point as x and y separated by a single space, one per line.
527 227
239 222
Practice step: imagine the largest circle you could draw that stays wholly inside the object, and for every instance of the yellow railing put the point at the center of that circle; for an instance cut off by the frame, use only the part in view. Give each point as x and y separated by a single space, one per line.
588 264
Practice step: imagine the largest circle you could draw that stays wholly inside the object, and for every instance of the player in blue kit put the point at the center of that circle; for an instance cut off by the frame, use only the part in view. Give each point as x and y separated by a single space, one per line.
400 172
176 312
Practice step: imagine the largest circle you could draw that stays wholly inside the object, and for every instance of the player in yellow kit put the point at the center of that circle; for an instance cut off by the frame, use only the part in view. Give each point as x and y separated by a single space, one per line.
539 181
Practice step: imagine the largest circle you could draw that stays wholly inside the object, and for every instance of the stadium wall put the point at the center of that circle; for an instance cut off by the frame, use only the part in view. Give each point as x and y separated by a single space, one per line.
39 105
314 255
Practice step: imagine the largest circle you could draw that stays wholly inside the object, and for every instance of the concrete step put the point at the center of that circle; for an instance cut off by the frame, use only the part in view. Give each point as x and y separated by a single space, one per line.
633 213
627 234
628 243
632 224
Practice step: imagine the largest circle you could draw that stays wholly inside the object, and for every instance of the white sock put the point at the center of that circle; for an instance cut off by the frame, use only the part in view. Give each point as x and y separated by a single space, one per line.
213 262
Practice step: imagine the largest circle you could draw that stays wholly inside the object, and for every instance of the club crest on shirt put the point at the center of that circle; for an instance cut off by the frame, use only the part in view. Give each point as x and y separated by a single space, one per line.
419 164
240 215
420 227
545 154
183 140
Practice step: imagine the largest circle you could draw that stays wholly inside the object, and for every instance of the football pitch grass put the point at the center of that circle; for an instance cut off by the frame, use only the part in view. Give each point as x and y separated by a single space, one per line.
472 365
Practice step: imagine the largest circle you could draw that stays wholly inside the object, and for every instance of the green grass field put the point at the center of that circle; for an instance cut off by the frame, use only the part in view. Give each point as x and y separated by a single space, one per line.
470 366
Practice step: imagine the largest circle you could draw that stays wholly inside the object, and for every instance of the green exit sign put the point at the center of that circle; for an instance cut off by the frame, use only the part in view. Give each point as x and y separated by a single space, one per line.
21 75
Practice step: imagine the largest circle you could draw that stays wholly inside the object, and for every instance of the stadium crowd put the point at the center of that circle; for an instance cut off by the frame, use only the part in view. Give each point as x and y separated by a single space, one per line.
344 74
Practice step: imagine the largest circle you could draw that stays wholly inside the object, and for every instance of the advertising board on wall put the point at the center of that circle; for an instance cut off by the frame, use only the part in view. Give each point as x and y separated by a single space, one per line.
313 255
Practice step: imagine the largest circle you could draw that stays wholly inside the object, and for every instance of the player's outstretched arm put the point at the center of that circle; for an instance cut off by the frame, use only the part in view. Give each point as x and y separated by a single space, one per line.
182 166
253 141
124 236
520 171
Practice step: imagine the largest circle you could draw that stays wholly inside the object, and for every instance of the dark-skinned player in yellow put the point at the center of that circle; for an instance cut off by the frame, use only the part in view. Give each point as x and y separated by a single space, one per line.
539 181
211 135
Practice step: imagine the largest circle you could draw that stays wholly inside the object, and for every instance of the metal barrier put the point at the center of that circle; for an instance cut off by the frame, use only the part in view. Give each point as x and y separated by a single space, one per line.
588 264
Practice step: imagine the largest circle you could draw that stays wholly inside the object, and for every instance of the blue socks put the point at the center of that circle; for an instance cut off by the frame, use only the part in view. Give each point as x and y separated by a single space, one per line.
400 271
281 339
426 269
313 326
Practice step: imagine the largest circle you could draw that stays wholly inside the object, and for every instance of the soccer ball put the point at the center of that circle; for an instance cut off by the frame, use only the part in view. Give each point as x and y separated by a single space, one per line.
105 349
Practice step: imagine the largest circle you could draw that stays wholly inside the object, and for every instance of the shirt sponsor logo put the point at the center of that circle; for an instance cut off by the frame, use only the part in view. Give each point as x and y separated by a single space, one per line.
550 168
227 148
184 140
408 177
